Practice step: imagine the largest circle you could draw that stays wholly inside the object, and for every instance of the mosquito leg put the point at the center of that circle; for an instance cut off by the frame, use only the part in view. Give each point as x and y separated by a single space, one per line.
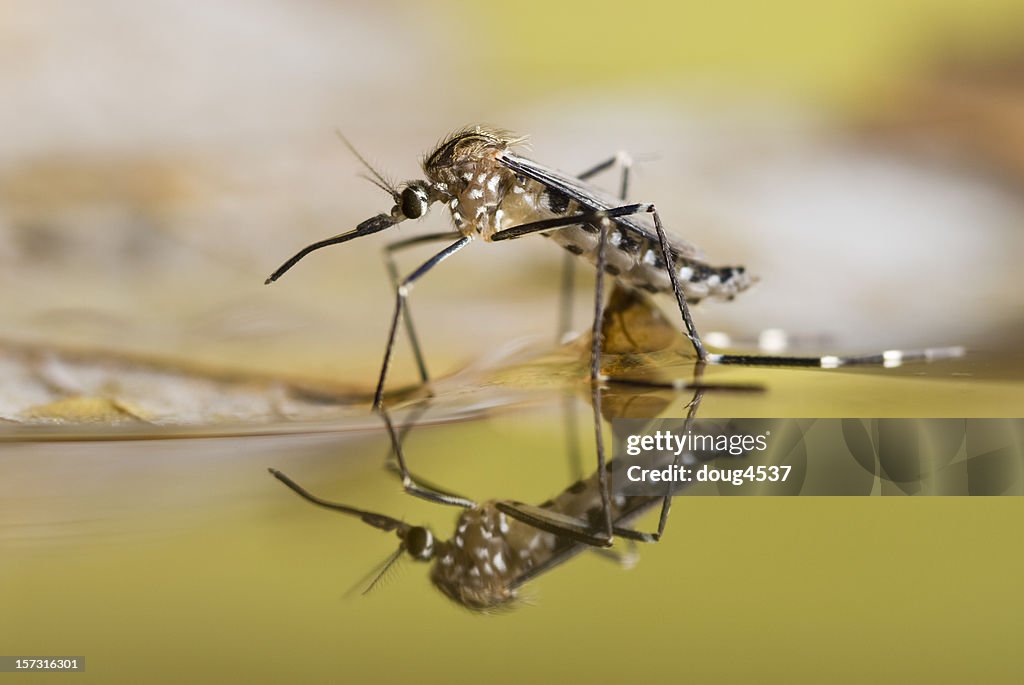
397 443
569 260
627 167
666 501
552 522
389 260
412 486
401 294
602 472
623 160
684 310
570 220
596 333
887 358
390 460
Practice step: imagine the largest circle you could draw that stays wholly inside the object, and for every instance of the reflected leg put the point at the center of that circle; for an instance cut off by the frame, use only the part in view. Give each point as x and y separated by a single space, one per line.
413 486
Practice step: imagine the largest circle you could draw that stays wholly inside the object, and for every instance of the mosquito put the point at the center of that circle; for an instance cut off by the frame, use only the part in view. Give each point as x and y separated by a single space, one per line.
495 194
500 545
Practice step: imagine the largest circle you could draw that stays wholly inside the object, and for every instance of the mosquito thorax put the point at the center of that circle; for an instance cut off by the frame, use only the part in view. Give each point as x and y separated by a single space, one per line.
419 542
477 566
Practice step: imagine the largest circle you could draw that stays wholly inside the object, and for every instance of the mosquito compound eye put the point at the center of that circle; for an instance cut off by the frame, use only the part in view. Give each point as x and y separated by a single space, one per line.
414 202
420 543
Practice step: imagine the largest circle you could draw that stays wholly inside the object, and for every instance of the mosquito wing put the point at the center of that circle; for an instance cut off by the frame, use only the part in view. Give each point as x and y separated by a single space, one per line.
593 198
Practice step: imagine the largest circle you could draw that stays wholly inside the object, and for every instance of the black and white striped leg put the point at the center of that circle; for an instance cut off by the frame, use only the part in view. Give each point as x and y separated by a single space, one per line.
569 260
410 329
401 295
557 222
888 358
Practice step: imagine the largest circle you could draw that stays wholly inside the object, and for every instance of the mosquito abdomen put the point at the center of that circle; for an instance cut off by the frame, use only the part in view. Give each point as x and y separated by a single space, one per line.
632 254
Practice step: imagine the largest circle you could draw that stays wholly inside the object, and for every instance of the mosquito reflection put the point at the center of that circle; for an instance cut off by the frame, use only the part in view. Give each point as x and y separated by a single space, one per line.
499 545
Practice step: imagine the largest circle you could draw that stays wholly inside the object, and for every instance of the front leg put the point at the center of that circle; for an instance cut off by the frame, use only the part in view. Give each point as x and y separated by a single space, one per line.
389 260
401 295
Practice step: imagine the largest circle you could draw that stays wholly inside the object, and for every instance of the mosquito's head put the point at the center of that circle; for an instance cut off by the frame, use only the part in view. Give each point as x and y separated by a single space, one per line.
418 542
411 201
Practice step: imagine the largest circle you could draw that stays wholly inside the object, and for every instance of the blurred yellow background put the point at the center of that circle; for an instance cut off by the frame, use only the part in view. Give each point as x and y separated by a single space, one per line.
838 53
